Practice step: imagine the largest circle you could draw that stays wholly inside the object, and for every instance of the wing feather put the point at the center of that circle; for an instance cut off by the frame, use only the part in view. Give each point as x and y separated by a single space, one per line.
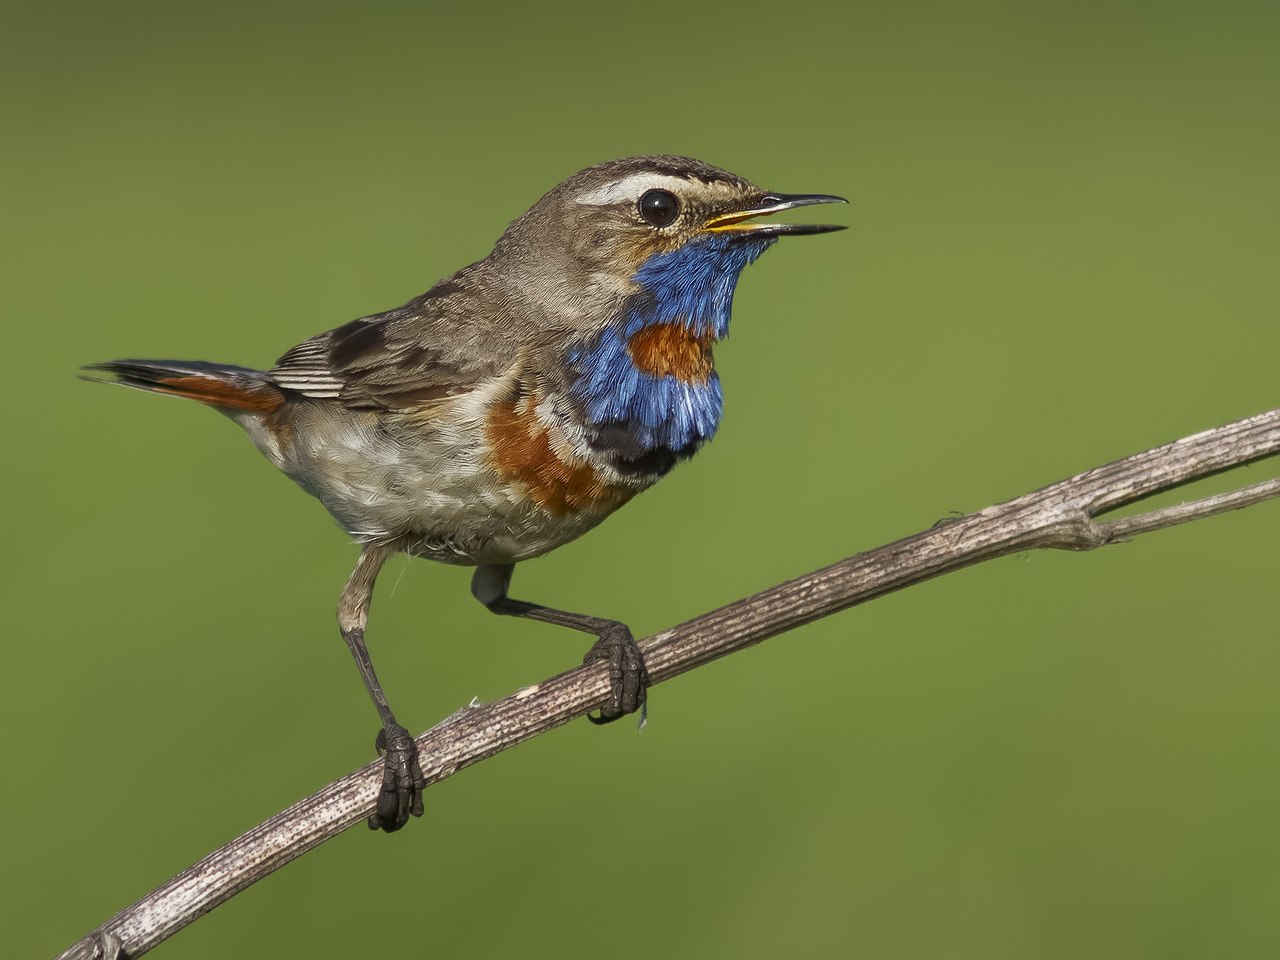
439 345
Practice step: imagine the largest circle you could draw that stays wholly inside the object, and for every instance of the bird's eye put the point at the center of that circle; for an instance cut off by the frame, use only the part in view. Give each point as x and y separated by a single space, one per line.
659 208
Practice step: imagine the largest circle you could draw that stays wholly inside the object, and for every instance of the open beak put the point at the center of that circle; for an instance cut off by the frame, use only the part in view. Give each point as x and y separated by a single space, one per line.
738 220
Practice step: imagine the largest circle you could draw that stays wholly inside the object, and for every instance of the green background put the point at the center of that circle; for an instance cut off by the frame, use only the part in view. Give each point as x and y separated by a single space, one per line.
1063 250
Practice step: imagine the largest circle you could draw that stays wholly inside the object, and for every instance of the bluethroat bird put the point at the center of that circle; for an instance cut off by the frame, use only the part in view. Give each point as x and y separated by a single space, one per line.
515 404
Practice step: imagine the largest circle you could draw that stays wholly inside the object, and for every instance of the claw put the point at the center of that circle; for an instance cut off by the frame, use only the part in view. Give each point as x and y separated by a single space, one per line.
628 676
402 780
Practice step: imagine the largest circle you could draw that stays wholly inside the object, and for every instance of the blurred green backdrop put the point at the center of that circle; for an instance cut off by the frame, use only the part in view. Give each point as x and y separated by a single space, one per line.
1064 247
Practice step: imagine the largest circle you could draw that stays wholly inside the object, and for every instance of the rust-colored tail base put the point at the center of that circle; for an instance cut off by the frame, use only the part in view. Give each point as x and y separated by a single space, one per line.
216 384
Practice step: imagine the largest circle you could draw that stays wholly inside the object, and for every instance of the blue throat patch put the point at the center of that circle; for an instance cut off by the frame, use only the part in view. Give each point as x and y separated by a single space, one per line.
692 287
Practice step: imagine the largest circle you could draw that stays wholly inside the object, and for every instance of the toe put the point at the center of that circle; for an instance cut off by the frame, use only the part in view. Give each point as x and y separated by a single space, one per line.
627 674
400 795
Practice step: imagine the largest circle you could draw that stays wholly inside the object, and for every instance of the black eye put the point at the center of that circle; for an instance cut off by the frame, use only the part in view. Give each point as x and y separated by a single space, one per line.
659 208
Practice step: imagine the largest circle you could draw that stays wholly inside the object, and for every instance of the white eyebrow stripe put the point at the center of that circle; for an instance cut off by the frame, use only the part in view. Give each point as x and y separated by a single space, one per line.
630 188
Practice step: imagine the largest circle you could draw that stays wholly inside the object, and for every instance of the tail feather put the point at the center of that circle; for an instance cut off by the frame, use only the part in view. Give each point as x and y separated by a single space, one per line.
216 384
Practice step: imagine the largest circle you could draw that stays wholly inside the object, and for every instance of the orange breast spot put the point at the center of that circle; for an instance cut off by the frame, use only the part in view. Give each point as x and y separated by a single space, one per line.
558 481
671 349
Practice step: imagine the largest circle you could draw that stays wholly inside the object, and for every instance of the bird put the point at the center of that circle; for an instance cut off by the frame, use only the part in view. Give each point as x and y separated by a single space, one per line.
515 404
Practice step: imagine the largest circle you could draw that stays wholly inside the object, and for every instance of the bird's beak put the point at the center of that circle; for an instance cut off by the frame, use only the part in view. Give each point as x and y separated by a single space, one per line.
737 221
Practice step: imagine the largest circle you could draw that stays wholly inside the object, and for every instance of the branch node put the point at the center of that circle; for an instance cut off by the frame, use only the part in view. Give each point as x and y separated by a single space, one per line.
1075 531
101 944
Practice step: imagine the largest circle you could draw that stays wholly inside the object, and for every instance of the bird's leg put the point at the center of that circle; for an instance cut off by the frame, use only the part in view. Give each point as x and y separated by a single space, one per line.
402 780
614 643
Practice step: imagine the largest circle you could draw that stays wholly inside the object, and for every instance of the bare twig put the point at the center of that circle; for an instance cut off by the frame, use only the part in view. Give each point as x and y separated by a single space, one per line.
1061 516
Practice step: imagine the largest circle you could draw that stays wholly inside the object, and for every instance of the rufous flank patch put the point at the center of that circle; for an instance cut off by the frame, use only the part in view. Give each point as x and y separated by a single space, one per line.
522 451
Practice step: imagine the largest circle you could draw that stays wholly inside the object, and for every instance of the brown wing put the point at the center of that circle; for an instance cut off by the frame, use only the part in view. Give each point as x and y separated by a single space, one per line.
428 350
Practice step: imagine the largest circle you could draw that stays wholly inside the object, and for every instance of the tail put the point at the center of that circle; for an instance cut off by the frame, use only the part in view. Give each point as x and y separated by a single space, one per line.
219 385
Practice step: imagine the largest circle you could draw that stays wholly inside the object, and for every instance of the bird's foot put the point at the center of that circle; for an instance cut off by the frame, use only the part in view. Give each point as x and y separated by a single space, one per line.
402 780
627 674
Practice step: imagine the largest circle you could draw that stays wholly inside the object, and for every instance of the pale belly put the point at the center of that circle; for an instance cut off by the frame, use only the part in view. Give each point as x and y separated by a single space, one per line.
433 493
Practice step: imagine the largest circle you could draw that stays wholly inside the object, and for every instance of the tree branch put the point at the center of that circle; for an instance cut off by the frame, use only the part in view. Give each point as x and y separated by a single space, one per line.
1061 516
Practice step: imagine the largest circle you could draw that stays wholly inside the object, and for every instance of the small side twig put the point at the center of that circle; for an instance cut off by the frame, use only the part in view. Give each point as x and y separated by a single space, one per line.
1061 516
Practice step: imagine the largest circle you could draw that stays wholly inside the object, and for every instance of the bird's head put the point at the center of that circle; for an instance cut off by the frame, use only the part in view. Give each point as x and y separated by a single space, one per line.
667 236
631 267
